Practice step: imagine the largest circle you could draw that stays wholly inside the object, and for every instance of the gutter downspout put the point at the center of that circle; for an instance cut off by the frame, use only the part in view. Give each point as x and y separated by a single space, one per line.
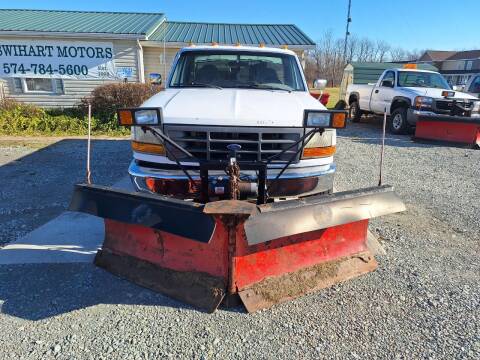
140 65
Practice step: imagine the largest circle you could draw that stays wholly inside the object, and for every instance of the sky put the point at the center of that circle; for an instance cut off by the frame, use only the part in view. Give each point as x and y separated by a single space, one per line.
410 24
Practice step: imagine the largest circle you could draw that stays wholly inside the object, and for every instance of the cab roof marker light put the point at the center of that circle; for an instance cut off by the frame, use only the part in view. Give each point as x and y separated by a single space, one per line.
410 66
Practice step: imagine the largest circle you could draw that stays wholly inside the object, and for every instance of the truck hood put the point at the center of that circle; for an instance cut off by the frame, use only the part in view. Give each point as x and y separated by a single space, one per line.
435 93
226 107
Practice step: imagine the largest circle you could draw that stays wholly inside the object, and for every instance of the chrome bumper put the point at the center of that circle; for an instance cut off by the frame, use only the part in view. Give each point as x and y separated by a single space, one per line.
324 174
413 116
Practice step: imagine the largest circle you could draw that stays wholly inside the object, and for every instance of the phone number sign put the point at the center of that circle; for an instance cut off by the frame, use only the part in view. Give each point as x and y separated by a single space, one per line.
57 59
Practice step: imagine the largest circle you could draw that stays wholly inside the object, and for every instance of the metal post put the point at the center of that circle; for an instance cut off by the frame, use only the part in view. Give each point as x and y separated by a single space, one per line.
347 33
89 174
383 147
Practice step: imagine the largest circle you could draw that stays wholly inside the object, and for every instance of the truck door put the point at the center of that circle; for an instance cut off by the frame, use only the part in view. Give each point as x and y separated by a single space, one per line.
383 93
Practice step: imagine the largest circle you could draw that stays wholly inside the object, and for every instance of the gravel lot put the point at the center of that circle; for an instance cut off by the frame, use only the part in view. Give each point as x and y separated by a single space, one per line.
422 303
38 175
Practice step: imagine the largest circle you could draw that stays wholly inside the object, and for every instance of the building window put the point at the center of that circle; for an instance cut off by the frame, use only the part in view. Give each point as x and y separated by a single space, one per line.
469 65
38 85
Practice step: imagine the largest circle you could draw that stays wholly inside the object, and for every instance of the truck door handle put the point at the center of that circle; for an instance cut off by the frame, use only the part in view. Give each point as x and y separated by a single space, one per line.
376 91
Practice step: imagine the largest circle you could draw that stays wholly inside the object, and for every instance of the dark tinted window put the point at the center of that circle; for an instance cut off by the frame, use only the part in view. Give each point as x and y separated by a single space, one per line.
389 76
422 79
229 69
475 85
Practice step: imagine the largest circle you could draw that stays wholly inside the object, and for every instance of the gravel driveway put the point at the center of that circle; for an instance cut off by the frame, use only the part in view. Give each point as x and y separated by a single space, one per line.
422 303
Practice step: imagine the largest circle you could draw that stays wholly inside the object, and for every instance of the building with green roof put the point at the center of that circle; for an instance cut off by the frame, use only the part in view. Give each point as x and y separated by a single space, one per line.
54 58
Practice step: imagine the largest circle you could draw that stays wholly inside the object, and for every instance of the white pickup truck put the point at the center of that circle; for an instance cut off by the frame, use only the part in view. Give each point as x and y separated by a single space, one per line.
406 93
255 97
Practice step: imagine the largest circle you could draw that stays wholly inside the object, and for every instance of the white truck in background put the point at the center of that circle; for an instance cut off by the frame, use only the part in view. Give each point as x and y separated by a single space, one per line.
472 86
406 93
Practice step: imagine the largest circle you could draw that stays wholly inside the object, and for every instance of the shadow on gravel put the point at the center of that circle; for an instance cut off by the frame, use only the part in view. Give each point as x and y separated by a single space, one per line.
369 131
39 291
38 186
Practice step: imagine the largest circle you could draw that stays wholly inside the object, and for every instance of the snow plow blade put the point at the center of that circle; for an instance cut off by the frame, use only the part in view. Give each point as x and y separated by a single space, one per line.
452 129
203 254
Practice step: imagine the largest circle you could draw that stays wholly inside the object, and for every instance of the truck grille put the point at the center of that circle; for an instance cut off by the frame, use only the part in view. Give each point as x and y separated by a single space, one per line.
210 142
454 107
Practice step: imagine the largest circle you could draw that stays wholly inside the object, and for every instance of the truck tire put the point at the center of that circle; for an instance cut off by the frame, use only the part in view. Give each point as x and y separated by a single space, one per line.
397 123
355 112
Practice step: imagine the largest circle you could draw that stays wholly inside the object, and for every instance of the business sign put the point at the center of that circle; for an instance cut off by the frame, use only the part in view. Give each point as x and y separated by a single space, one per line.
125 72
57 59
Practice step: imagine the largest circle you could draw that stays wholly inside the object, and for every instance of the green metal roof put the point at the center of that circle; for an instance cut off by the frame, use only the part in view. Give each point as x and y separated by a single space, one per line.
79 21
230 34
369 72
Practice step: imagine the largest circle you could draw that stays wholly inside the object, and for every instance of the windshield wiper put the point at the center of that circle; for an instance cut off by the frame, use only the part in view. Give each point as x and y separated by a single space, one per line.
262 86
196 84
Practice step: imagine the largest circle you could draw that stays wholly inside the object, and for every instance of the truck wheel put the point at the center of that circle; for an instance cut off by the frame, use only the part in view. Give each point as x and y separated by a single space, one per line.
355 112
398 123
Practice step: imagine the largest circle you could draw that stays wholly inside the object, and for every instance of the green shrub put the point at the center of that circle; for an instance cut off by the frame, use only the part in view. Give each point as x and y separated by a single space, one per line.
106 99
17 118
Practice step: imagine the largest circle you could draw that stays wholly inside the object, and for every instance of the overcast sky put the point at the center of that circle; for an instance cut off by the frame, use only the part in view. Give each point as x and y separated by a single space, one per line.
411 24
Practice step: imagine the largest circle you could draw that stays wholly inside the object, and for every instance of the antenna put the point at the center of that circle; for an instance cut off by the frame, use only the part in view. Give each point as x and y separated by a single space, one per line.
383 148
347 32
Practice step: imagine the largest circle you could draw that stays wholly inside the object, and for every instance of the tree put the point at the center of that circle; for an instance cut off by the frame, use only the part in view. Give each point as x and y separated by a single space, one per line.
327 60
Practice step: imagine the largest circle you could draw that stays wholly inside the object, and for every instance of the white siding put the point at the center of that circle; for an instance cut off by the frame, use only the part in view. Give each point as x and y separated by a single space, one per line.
152 57
75 90
453 65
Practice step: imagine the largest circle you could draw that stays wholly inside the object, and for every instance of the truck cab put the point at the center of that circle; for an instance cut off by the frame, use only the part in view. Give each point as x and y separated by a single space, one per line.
404 94
219 95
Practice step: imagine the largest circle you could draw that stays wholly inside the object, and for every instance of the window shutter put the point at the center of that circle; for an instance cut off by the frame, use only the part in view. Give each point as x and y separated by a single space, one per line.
17 85
59 86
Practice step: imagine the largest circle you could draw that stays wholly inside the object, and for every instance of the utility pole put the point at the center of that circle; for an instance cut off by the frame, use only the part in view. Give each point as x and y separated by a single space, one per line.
347 32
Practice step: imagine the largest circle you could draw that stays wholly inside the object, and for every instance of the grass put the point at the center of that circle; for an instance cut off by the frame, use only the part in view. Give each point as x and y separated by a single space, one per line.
19 119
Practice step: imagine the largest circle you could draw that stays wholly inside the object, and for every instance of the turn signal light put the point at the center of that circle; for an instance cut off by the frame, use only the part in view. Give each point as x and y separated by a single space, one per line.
125 117
338 121
157 149
317 152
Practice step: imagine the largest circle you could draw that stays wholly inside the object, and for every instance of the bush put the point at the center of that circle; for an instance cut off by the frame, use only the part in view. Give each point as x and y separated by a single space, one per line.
106 99
17 118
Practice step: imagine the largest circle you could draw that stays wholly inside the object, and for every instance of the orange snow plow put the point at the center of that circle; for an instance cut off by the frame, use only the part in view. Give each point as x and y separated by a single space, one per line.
259 251
453 129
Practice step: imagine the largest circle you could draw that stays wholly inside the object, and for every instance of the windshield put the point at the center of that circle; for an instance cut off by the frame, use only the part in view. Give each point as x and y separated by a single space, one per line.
233 69
422 79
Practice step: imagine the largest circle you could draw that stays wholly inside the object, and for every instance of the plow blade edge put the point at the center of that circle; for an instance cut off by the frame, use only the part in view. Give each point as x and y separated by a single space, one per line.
265 254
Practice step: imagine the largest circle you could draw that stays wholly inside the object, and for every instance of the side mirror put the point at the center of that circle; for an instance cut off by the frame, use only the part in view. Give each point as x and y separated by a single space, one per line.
320 84
155 78
387 83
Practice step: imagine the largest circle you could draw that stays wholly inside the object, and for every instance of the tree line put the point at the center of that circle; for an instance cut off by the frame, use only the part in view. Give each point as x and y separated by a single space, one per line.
328 59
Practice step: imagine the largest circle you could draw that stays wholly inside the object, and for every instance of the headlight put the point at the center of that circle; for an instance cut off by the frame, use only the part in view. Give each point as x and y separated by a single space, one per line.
146 117
139 117
324 119
423 102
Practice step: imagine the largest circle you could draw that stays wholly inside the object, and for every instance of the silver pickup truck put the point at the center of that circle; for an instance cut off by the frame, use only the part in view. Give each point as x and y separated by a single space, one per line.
406 93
